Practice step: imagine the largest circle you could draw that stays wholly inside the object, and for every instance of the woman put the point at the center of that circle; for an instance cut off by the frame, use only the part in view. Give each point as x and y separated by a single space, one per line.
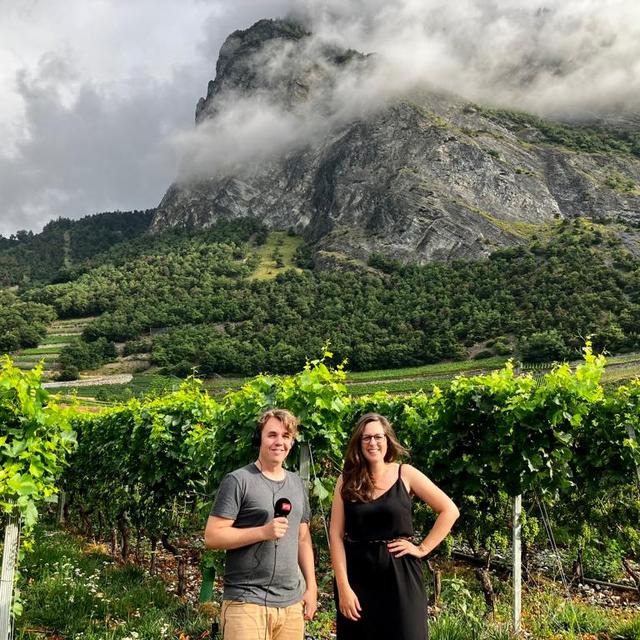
377 568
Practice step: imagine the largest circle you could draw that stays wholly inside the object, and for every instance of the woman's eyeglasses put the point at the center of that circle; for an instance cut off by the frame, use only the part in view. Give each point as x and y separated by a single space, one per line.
376 437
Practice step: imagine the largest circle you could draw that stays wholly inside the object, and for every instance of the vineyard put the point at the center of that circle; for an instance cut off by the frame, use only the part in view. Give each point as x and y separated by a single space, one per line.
142 474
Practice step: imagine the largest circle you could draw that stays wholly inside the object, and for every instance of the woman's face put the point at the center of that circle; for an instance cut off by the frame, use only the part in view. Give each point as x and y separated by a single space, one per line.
373 442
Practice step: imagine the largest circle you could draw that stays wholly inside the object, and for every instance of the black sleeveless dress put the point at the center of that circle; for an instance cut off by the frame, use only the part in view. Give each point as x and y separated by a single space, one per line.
390 590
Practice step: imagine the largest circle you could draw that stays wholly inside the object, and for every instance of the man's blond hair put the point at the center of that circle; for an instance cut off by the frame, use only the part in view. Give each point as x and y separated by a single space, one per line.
288 420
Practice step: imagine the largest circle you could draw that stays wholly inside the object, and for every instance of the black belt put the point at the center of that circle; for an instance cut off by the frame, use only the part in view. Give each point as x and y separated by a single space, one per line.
386 540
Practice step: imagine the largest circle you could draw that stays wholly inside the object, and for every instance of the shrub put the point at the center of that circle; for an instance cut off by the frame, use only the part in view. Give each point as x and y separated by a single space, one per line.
141 345
604 563
502 347
545 346
69 373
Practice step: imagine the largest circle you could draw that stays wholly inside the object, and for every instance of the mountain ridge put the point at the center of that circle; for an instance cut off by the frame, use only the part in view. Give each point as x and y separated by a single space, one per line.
426 177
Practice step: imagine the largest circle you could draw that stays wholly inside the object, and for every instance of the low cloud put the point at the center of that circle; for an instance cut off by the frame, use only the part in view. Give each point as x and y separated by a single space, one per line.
563 58
100 115
91 92
569 59
241 139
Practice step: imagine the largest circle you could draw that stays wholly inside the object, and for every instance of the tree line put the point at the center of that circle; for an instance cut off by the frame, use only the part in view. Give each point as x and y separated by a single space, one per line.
193 301
64 245
198 306
22 324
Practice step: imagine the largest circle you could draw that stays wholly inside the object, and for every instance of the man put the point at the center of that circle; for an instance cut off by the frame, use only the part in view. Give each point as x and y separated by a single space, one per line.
269 579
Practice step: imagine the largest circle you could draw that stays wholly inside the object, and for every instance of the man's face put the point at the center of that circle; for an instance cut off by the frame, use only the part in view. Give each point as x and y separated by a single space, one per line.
275 442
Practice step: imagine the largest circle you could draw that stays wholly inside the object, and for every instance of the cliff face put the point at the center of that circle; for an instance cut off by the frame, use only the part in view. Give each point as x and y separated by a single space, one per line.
428 177
239 70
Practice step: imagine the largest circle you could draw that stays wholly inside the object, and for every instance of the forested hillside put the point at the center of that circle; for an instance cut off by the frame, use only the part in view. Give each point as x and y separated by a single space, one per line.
194 300
22 324
64 246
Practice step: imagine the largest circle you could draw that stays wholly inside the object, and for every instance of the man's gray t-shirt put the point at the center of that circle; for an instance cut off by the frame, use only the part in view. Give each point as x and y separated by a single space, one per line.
248 497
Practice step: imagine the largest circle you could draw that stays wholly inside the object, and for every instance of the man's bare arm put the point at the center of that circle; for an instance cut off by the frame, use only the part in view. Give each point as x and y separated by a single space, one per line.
221 534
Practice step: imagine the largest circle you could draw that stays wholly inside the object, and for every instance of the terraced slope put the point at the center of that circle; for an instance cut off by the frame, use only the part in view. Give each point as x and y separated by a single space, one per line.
59 334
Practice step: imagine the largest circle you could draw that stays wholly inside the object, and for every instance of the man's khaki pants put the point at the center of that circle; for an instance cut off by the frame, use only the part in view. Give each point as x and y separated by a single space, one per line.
248 621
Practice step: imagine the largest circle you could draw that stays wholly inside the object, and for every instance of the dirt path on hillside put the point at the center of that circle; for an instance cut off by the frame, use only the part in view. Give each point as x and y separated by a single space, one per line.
121 378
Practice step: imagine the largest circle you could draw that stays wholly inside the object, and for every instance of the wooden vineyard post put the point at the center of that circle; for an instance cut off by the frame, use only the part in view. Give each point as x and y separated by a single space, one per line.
632 436
305 464
305 467
61 501
516 563
9 561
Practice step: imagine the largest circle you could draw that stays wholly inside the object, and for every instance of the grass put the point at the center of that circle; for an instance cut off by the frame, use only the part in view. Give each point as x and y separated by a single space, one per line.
625 357
51 338
411 379
550 615
26 365
142 384
397 386
390 380
580 618
66 330
72 590
621 375
622 183
611 375
40 351
72 322
67 335
514 227
276 255
628 630
217 384
454 627
428 370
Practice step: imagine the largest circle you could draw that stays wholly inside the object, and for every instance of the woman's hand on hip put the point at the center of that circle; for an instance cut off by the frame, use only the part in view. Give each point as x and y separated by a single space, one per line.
403 547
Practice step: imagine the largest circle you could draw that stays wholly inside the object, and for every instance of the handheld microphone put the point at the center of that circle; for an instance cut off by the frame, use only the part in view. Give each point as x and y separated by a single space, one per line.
282 508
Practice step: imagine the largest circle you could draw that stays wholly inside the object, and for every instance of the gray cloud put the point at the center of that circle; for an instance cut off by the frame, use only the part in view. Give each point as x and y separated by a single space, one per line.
88 141
87 122
99 152
566 58
569 59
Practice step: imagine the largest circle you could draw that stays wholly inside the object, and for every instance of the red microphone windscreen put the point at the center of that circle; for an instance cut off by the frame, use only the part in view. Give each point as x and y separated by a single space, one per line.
282 508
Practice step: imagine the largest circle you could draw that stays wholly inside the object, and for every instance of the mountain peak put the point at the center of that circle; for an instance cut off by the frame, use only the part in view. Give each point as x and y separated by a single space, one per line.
236 67
285 135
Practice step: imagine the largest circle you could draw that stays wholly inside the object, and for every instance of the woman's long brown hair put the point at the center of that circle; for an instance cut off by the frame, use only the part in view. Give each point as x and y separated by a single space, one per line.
357 482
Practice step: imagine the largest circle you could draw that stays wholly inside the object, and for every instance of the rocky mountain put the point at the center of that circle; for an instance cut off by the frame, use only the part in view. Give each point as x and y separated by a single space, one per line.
424 177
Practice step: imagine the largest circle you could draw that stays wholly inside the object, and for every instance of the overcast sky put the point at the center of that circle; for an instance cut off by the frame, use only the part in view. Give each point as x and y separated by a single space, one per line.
97 97
92 90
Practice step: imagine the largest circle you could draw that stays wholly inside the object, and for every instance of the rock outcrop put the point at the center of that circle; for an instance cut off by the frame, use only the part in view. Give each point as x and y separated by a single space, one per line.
426 177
